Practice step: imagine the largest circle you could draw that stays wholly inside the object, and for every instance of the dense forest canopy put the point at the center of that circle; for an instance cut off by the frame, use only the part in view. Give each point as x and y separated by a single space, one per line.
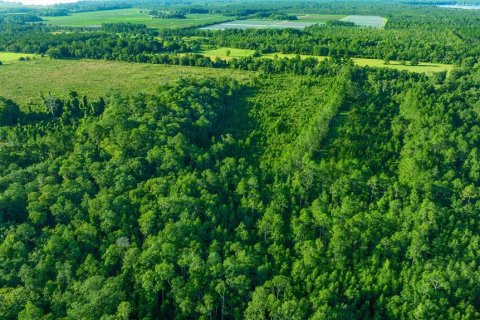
314 189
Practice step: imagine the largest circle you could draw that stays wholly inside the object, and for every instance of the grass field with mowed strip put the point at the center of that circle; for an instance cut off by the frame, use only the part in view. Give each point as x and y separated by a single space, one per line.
25 82
138 16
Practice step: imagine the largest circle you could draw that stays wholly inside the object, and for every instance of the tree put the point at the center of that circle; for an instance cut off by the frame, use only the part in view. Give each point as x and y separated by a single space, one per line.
10 113
30 312
55 53
97 297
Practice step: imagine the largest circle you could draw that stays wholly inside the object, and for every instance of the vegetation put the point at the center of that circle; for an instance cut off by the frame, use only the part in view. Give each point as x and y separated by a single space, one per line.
230 53
284 174
335 23
226 53
167 15
137 16
215 157
11 57
26 82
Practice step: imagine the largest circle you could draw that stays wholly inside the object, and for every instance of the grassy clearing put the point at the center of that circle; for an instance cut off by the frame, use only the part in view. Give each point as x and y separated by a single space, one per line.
96 18
13 57
25 82
223 53
423 67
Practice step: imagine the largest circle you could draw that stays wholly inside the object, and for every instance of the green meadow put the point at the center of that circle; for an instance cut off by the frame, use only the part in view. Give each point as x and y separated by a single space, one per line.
12 57
227 53
96 18
423 67
25 82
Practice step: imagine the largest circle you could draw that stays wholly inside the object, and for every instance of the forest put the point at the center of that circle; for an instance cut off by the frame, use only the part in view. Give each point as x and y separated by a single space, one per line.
309 189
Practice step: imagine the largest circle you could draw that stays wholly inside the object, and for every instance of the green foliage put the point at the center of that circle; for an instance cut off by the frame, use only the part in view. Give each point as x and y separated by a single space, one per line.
9 113
335 23
315 190
345 196
155 14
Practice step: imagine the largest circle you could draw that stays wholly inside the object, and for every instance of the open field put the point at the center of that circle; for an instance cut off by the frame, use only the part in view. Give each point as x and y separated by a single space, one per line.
366 21
260 24
24 82
423 67
222 53
11 57
96 18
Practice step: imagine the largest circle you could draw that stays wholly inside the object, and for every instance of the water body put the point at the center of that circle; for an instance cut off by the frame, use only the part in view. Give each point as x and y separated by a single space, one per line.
459 7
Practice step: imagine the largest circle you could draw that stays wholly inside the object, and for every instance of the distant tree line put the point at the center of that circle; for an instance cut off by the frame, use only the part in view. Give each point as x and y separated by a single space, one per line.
128 27
157 14
275 16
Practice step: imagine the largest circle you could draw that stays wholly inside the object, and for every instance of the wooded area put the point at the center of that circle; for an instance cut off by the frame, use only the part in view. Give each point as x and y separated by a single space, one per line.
306 190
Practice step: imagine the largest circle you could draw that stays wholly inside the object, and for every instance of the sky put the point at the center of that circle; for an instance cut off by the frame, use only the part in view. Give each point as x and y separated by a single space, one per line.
41 2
